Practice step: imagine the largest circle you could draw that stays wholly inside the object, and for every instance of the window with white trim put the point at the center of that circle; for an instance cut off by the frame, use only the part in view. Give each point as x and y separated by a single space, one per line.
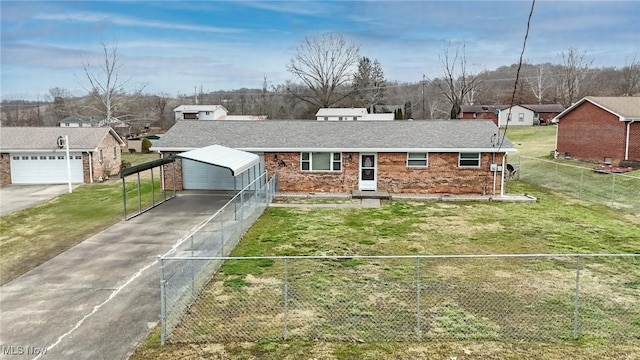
320 161
417 159
520 117
469 159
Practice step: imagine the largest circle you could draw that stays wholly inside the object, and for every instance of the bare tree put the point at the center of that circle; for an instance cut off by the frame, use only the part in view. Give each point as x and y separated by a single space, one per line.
573 78
538 81
323 63
107 88
368 83
631 78
457 83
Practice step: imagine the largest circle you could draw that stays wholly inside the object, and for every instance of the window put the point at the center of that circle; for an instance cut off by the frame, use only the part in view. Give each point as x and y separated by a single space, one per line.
417 159
43 158
206 113
16 158
60 157
52 157
101 156
34 158
25 158
469 160
355 118
115 149
78 157
320 161
520 117
340 118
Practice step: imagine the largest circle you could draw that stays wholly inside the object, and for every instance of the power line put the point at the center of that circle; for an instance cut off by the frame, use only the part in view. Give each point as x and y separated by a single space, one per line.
515 84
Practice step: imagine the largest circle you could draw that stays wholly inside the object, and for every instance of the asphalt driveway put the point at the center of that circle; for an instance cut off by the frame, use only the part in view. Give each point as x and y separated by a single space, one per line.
99 299
18 197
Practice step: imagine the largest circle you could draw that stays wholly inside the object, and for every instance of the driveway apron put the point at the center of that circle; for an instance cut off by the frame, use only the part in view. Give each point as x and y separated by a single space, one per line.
99 299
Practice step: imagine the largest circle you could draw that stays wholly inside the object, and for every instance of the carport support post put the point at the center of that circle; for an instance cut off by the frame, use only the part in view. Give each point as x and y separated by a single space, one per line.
193 273
153 191
139 196
124 197
235 202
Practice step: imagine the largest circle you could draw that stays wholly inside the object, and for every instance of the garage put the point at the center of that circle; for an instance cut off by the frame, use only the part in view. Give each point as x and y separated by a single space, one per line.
45 168
219 168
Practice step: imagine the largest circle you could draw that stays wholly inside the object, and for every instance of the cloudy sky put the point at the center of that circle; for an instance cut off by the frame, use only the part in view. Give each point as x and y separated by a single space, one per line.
174 46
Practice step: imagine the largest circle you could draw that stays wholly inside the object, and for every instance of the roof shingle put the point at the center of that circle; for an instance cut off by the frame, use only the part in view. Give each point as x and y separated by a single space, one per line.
45 138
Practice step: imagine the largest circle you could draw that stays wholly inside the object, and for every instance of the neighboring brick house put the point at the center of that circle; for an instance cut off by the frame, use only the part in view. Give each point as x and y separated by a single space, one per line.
601 130
480 112
415 157
33 155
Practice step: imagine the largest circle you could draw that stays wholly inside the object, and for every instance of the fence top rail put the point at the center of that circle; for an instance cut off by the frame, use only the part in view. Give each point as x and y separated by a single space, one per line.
337 257
574 166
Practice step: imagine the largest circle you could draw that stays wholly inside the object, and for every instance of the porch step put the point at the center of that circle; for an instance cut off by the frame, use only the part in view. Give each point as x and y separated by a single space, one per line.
359 194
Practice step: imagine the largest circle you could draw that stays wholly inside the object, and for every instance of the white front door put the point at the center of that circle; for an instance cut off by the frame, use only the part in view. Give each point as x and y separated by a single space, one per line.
368 172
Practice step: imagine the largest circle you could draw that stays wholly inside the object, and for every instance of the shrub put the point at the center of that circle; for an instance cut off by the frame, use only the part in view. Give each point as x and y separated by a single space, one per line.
146 144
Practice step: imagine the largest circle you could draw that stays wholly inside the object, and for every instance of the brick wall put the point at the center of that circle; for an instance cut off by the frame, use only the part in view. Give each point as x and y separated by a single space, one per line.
173 173
110 163
5 169
442 176
634 141
590 133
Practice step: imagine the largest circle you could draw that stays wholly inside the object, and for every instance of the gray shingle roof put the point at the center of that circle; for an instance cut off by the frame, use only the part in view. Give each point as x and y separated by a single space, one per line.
311 135
627 106
44 138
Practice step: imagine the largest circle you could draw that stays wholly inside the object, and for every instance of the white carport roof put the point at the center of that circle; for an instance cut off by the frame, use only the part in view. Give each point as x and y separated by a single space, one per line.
235 160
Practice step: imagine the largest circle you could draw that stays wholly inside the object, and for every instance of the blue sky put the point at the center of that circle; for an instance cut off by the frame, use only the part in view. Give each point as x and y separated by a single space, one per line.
174 46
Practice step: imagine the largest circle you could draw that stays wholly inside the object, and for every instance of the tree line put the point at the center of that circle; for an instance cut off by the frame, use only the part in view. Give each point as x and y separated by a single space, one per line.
329 71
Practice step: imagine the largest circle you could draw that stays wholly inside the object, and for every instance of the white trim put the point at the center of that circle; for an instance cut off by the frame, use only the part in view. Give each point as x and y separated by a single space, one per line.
469 167
581 101
331 161
626 145
368 185
426 160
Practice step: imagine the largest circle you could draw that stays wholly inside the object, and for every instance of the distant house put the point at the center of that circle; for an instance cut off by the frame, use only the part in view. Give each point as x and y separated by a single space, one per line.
517 115
541 113
209 112
480 112
600 129
412 157
350 114
77 121
34 155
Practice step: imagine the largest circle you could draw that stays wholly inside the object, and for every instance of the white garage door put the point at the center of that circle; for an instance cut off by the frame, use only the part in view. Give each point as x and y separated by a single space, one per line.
45 168
201 176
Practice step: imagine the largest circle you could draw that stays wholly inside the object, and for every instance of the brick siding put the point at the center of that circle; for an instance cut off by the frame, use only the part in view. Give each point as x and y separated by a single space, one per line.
590 133
110 164
5 169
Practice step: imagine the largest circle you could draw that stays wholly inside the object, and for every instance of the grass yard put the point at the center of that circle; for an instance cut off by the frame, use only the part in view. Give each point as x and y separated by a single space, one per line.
244 297
32 236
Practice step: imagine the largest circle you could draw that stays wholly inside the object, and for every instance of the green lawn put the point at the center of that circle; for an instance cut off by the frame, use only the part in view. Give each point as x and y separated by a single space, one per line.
32 236
331 298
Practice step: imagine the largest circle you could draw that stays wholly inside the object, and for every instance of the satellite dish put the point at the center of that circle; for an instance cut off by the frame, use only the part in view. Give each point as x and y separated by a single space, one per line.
61 142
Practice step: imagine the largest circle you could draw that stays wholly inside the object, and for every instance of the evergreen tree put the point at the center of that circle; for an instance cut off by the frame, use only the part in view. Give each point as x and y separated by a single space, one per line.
368 83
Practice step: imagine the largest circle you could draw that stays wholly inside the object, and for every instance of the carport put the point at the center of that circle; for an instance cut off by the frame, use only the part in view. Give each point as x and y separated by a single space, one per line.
243 165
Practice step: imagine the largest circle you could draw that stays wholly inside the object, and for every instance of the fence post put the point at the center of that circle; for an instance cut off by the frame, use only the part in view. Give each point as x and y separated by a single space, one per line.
613 187
193 273
418 315
163 303
285 291
241 212
576 299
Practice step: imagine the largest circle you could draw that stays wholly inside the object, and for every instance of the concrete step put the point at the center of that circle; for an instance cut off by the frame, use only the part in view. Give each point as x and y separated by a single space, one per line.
359 194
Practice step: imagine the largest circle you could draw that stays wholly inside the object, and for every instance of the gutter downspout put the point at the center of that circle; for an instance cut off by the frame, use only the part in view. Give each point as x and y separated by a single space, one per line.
626 145
90 167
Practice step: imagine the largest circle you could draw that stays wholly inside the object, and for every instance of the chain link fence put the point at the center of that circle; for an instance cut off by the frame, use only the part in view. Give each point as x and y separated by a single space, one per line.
182 282
620 191
408 298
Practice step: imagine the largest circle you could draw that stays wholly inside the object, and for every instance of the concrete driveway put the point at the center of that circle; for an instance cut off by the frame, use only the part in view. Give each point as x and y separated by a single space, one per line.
18 197
99 299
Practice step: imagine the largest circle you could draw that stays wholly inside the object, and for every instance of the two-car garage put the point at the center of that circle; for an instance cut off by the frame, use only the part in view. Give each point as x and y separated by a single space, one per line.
45 168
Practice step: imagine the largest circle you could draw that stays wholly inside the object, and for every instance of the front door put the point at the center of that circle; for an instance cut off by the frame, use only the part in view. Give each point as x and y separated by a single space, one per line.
368 172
